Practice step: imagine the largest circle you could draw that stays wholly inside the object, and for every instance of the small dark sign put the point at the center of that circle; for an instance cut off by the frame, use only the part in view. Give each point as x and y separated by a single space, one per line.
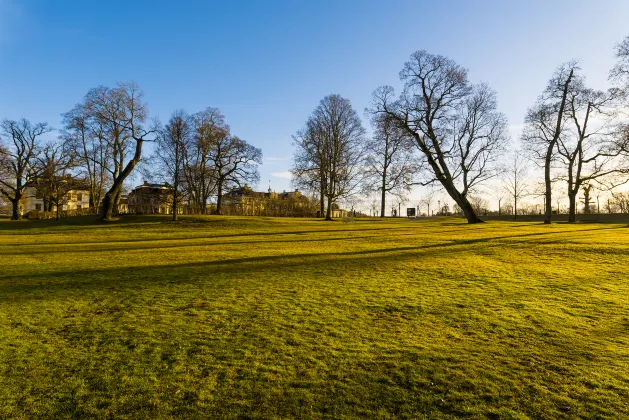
410 212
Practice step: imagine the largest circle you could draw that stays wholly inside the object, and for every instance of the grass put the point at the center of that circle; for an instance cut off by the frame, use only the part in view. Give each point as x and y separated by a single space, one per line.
280 318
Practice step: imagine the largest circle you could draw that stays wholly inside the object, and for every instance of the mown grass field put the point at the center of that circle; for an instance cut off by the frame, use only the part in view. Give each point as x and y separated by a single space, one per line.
280 318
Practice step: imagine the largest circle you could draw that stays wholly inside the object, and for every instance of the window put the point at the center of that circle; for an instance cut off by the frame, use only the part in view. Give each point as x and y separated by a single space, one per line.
38 207
79 197
78 207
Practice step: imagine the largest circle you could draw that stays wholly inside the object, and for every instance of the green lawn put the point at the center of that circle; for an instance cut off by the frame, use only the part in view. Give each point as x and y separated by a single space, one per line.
293 318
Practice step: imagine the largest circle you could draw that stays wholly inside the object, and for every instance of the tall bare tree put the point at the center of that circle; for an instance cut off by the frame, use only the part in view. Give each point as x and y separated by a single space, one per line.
199 172
173 141
18 158
455 125
122 113
235 163
334 149
591 149
55 179
545 123
515 180
309 161
391 163
86 137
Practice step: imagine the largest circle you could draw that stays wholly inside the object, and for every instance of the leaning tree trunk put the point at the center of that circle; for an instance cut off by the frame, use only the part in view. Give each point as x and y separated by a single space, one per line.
109 201
468 211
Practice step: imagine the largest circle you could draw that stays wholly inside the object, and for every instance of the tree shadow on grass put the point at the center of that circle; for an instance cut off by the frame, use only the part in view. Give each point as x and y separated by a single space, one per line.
324 260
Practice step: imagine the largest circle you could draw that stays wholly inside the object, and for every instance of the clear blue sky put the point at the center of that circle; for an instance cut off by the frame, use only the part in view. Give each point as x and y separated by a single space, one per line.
266 64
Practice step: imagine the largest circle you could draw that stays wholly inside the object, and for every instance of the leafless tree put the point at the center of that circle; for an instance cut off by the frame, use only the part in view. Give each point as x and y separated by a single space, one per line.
455 125
86 137
427 201
590 148
308 171
391 163
18 158
235 163
330 150
122 113
545 123
620 73
479 204
55 179
199 172
515 180
172 144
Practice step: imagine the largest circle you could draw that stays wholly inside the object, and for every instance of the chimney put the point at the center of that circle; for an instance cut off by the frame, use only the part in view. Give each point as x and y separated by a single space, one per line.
146 182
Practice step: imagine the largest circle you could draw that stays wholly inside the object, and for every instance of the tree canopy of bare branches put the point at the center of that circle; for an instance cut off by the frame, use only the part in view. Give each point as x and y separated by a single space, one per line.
515 180
87 138
455 125
391 162
545 123
54 176
119 115
172 145
329 156
22 143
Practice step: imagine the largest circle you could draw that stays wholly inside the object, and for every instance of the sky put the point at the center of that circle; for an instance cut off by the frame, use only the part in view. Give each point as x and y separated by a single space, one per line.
267 64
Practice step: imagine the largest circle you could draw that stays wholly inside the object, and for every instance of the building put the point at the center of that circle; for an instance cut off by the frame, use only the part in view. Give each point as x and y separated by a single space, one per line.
33 199
245 201
151 199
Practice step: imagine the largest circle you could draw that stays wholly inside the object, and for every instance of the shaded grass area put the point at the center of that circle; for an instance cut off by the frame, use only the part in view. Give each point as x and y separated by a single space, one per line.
262 318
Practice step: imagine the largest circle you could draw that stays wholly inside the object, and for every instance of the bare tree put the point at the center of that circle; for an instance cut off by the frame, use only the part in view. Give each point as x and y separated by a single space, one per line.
18 158
309 161
515 180
427 201
479 204
331 150
235 163
391 164
55 179
199 172
122 113
86 137
454 124
173 141
545 124
590 149
620 73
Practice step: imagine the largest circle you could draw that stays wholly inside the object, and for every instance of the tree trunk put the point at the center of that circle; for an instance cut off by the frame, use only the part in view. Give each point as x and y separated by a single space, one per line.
219 198
384 194
110 197
328 213
175 206
572 210
468 212
15 214
547 182
515 209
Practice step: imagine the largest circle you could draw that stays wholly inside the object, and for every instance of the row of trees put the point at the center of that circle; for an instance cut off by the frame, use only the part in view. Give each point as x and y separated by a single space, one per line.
442 130
101 144
200 158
